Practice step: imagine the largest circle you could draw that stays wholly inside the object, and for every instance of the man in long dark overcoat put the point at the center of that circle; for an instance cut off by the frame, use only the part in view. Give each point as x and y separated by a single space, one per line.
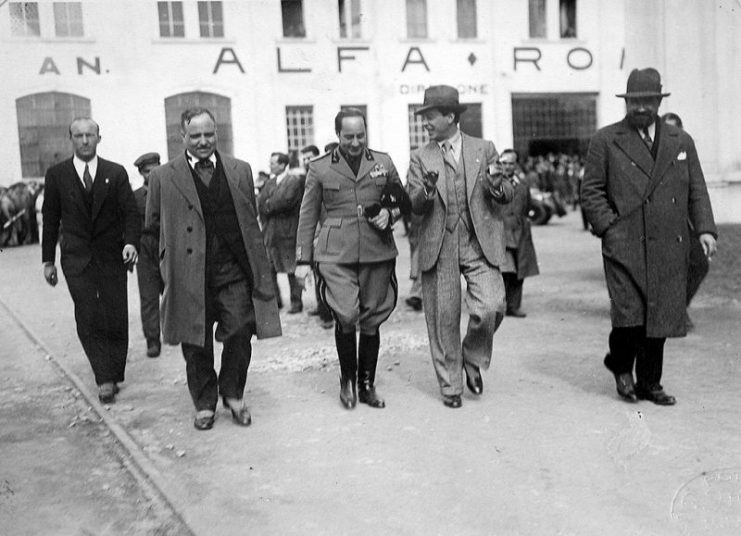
214 266
643 182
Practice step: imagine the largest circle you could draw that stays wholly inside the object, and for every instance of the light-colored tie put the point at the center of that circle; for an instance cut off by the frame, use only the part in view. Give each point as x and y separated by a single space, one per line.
448 155
87 179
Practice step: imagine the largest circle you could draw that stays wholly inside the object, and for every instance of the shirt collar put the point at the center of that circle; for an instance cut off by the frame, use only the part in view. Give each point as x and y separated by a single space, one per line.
193 160
79 164
456 141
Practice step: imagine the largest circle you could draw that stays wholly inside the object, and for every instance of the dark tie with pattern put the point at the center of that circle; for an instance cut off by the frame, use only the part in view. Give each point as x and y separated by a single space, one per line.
647 139
87 179
205 170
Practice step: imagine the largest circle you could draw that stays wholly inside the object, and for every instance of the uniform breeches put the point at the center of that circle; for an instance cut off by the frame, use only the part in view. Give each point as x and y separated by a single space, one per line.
359 294
441 288
230 306
150 286
101 314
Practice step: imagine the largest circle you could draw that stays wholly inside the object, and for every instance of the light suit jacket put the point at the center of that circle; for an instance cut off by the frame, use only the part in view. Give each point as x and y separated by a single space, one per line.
483 204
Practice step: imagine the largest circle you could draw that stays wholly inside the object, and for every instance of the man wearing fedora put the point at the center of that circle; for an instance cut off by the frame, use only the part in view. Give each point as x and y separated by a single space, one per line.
642 183
455 184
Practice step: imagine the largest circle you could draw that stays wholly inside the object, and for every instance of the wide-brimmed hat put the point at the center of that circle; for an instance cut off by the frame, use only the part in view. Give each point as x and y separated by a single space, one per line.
441 97
643 83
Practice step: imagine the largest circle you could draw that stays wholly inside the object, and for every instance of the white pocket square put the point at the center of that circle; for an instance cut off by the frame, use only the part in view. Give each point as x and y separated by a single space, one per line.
682 156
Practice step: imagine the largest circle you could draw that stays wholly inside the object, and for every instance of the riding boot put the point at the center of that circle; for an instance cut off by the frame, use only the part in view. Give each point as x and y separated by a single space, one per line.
367 361
346 352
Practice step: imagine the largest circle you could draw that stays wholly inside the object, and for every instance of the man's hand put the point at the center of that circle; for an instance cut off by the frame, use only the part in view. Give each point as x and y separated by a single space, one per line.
494 176
302 272
130 256
50 274
429 181
382 220
709 245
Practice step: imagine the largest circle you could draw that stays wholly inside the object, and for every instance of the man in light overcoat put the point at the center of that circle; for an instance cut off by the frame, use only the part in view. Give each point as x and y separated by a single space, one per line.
213 264
642 184
455 183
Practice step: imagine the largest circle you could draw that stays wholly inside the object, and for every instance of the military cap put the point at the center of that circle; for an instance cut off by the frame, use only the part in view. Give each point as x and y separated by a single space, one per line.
147 158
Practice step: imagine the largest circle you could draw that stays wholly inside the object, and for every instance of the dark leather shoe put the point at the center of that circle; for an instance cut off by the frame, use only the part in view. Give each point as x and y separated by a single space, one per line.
241 415
516 313
204 420
348 393
474 381
153 348
314 312
295 308
369 396
452 401
414 302
327 324
655 394
107 393
623 382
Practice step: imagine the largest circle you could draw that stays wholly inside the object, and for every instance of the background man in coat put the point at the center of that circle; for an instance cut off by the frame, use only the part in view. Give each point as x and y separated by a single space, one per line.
521 261
461 233
642 183
355 253
278 204
148 268
214 266
89 206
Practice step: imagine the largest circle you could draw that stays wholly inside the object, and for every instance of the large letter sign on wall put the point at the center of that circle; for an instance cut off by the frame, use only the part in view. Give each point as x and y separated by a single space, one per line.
222 59
421 59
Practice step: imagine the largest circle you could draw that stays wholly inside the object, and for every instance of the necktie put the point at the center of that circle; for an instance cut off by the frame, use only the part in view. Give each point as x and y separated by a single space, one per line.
205 170
87 179
448 155
647 139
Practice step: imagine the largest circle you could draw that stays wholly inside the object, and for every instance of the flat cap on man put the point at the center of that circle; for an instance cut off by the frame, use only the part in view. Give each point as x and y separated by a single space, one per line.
146 159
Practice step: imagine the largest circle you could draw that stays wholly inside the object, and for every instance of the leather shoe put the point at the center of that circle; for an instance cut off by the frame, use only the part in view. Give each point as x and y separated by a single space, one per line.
107 393
414 302
204 420
368 395
517 313
327 324
348 393
295 308
241 415
474 381
153 348
452 401
623 382
314 312
655 394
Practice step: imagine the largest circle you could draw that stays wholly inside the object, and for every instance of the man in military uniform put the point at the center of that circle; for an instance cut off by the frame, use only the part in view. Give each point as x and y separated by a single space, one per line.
148 268
355 252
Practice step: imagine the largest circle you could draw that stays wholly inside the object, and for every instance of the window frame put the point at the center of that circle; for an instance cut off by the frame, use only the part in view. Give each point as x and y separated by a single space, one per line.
212 9
63 19
417 9
299 129
23 23
299 31
171 23
347 18
462 24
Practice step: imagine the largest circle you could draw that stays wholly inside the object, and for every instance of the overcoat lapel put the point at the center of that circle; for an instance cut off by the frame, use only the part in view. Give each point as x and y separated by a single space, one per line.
76 190
667 152
235 187
183 181
630 142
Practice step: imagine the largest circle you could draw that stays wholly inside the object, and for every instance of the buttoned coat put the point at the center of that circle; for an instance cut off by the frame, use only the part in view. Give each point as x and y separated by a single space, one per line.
640 208
517 230
279 206
345 236
485 209
96 234
173 208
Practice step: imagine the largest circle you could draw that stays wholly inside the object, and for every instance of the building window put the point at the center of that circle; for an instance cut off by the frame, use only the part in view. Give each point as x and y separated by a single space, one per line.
555 122
417 132
293 18
299 130
171 19
68 19
219 106
567 14
24 19
470 122
211 19
43 129
466 19
416 18
350 19
537 18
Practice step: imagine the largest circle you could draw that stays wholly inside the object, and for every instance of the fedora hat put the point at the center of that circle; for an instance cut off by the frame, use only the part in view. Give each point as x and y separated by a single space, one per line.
643 83
441 97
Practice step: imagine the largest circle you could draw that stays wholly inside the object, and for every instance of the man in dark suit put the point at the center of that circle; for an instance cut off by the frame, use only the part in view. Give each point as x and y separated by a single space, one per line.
89 207
278 204
521 261
355 252
148 268
212 259
642 184
456 184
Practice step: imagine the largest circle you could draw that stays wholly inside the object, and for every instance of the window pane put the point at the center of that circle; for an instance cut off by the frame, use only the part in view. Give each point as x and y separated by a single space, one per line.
74 14
466 18
293 18
537 18
417 132
355 21
61 26
341 8
416 18
177 21
163 14
24 19
299 130
217 19
567 14
471 120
